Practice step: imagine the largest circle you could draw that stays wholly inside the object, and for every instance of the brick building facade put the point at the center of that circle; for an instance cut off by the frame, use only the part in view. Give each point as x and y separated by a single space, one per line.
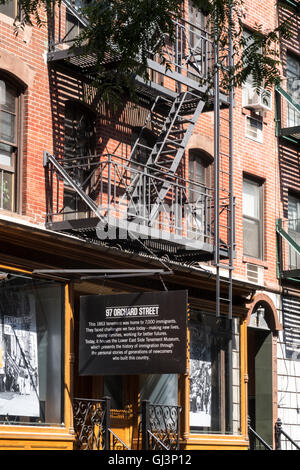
69 161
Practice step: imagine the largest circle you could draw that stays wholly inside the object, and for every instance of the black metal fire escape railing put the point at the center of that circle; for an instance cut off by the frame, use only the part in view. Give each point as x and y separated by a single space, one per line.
189 55
159 428
287 110
159 425
184 214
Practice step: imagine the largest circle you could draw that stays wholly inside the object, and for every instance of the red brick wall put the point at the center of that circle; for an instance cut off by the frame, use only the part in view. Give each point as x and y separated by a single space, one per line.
28 48
258 160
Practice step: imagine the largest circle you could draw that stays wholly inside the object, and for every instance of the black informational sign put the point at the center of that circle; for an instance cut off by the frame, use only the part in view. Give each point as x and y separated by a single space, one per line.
141 333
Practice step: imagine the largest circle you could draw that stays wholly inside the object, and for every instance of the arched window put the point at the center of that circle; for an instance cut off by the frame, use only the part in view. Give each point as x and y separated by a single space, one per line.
199 170
9 143
199 192
80 143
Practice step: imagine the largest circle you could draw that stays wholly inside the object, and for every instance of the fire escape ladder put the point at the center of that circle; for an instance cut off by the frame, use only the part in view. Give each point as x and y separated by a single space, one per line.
171 142
155 124
172 136
170 150
224 216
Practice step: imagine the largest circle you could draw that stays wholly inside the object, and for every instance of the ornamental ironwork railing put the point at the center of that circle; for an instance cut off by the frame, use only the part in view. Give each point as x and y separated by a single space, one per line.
92 426
160 426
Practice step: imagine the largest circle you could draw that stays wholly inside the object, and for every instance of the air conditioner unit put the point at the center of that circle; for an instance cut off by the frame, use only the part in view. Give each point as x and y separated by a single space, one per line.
255 273
259 101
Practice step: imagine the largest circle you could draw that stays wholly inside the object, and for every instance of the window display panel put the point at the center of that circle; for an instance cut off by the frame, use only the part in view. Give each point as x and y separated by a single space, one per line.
159 388
210 397
31 367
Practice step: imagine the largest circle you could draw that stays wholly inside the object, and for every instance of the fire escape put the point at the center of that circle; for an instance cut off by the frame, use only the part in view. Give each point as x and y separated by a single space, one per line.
151 202
288 131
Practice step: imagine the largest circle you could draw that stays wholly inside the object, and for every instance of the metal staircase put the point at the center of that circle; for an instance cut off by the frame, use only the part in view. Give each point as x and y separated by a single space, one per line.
173 138
172 135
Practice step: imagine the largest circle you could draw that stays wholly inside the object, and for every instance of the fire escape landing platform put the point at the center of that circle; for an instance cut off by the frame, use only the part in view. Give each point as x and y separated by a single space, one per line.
288 110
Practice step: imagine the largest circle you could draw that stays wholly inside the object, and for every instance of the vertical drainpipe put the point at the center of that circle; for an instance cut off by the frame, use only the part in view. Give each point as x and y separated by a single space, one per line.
216 159
231 216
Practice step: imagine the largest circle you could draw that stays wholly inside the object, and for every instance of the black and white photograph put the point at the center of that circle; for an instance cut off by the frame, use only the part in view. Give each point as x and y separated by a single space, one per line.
200 380
18 355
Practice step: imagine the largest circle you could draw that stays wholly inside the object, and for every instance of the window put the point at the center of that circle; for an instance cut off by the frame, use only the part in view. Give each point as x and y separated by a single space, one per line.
31 351
254 128
198 36
252 218
9 130
293 86
198 192
162 389
142 145
199 170
248 39
198 19
10 8
196 170
210 395
80 143
73 24
294 229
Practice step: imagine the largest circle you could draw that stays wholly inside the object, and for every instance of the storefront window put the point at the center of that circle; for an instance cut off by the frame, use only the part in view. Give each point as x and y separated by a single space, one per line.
210 375
31 354
159 389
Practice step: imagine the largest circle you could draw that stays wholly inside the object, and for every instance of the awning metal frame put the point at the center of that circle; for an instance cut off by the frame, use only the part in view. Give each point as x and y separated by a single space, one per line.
90 274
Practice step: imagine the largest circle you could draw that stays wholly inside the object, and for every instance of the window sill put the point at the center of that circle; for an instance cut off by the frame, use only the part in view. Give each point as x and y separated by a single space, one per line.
13 215
258 262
